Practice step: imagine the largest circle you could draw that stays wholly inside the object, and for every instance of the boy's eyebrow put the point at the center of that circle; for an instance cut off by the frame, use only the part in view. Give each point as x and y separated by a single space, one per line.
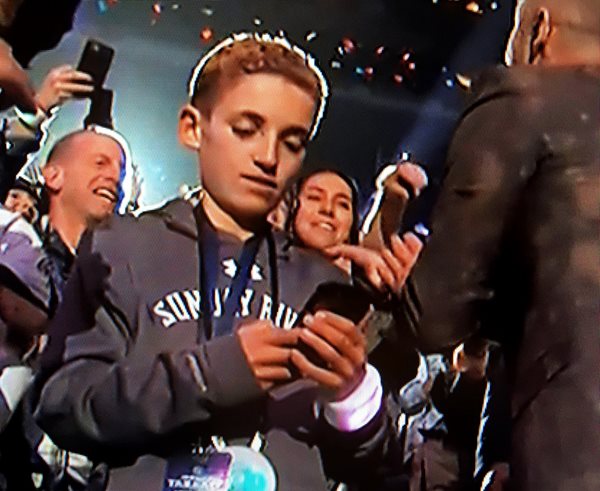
258 120
300 131
254 117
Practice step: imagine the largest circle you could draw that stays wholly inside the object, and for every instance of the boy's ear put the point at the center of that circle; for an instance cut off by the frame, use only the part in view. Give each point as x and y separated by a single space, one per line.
54 177
188 131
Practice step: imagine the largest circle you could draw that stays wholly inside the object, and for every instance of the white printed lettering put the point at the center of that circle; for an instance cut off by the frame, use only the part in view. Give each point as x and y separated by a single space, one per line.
168 319
265 308
192 298
290 318
245 300
178 306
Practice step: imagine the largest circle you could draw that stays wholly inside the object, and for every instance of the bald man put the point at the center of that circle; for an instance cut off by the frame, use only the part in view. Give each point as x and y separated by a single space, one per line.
514 252
82 177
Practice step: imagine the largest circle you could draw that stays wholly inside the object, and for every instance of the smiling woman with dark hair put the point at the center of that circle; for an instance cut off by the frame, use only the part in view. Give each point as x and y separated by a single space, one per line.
324 212
324 217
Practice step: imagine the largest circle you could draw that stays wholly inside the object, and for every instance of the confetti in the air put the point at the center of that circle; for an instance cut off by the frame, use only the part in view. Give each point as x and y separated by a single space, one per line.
369 72
206 34
411 65
310 35
463 80
175 6
406 56
379 51
348 45
208 11
449 82
157 8
336 65
359 70
102 6
257 21
474 7
494 5
398 78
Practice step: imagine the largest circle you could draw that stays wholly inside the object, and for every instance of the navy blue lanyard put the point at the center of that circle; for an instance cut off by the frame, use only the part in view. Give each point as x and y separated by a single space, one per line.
208 265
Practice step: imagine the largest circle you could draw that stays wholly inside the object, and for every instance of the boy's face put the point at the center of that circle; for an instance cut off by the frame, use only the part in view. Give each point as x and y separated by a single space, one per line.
253 143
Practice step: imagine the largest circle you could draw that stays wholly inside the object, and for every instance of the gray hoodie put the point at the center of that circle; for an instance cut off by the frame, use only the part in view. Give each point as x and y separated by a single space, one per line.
130 379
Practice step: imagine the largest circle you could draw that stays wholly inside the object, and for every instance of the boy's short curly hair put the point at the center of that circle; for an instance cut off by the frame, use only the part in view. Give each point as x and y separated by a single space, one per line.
244 54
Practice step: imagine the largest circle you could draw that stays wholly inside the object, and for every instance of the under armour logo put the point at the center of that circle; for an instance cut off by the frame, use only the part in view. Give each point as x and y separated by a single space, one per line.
230 269
256 273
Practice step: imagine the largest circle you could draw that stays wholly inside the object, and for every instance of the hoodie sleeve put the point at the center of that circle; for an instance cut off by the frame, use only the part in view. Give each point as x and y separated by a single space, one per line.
374 451
107 390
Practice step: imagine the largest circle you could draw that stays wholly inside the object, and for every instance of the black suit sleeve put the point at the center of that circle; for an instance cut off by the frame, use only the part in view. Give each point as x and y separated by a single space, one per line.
488 166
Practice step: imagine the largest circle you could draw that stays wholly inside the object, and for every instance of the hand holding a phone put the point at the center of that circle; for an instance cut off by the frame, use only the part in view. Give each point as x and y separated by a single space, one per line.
268 351
340 344
62 84
407 182
398 184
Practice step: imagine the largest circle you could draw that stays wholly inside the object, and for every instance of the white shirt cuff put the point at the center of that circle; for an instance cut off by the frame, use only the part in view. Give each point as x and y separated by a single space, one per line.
33 121
359 407
14 382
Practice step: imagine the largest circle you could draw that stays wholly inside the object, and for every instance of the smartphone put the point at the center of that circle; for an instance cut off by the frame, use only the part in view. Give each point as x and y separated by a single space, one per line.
95 60
342 299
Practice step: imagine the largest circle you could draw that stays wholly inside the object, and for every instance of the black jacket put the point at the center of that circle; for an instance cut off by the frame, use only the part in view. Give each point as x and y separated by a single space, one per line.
131 380
514 252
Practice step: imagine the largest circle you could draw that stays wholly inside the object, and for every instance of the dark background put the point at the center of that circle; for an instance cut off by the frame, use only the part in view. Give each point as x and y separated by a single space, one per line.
372 116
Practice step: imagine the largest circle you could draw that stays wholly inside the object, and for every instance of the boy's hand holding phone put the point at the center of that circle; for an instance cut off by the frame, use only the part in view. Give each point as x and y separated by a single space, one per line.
268 350
341 347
